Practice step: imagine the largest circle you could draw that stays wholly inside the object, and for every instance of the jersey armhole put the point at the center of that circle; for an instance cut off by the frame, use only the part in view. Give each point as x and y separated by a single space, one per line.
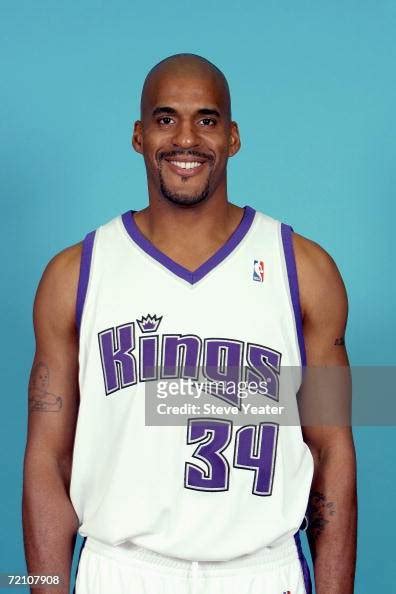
83 280
287 241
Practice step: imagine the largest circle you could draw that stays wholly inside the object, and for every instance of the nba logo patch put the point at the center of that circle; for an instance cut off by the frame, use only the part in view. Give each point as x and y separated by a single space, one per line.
258 271
286 592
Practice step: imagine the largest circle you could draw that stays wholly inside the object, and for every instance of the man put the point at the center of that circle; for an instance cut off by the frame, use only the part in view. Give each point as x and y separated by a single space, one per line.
190 281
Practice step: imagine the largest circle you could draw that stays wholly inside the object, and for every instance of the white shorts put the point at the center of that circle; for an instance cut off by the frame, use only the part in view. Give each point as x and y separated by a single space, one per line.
128 569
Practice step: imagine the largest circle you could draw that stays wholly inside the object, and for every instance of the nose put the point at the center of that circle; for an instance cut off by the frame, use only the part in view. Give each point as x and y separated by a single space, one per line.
185 135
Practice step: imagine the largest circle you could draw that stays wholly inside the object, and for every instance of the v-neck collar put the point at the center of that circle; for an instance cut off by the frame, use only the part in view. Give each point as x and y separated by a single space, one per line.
191 277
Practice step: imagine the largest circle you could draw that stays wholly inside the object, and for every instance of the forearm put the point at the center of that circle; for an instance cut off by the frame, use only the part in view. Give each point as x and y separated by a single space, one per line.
49 522
332 516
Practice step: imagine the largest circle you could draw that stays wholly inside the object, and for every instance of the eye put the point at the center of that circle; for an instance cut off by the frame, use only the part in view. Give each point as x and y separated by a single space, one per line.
208 122
166 120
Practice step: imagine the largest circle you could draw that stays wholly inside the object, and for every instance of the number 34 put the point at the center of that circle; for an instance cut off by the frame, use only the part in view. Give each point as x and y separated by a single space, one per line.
255 450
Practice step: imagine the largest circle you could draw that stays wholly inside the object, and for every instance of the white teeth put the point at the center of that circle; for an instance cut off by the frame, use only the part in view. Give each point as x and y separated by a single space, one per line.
186 164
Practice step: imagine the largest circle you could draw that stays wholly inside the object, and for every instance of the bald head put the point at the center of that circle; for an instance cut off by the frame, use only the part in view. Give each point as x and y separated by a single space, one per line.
174 69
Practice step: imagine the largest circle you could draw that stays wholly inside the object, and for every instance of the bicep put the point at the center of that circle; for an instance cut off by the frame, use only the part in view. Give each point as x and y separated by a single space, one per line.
53 385
325 395
325 307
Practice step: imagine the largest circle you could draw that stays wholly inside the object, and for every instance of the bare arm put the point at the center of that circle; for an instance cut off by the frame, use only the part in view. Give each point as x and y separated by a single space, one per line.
49 520
332 509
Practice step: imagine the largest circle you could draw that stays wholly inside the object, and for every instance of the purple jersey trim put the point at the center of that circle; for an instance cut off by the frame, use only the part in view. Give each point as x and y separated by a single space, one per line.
85 267
304 565
195 276
286 231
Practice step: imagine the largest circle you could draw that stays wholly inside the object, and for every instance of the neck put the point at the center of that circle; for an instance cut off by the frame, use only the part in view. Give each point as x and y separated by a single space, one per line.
210 221
189 235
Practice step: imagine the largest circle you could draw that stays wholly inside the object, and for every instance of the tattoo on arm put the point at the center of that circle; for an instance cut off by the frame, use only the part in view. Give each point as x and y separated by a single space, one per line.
319 513
339 341
40 399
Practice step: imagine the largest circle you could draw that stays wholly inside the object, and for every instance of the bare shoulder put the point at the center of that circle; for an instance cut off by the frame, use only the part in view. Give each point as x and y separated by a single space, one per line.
320 282
57 290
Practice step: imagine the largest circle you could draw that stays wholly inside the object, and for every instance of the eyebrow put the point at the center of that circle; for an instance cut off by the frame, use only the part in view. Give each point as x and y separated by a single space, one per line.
171 111
208 111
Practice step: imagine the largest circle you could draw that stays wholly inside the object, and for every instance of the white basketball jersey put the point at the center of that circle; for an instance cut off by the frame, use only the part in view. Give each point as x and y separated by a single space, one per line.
211 488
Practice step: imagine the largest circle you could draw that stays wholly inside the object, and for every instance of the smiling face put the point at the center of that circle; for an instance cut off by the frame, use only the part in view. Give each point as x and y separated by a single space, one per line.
185 133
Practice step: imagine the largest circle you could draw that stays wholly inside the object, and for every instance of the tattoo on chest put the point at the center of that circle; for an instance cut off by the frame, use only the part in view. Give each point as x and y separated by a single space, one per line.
40 398
339 341
319 513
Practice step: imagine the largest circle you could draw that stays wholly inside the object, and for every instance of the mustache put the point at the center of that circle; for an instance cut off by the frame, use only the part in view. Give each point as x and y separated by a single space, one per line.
189 153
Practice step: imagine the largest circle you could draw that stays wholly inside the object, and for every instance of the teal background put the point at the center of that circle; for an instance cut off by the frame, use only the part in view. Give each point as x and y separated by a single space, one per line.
314 93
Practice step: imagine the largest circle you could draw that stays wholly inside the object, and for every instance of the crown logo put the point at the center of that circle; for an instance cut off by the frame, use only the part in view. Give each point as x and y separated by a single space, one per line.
149 323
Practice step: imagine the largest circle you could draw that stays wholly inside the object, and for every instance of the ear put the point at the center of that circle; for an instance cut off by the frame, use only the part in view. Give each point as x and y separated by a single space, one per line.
137 137
235 140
